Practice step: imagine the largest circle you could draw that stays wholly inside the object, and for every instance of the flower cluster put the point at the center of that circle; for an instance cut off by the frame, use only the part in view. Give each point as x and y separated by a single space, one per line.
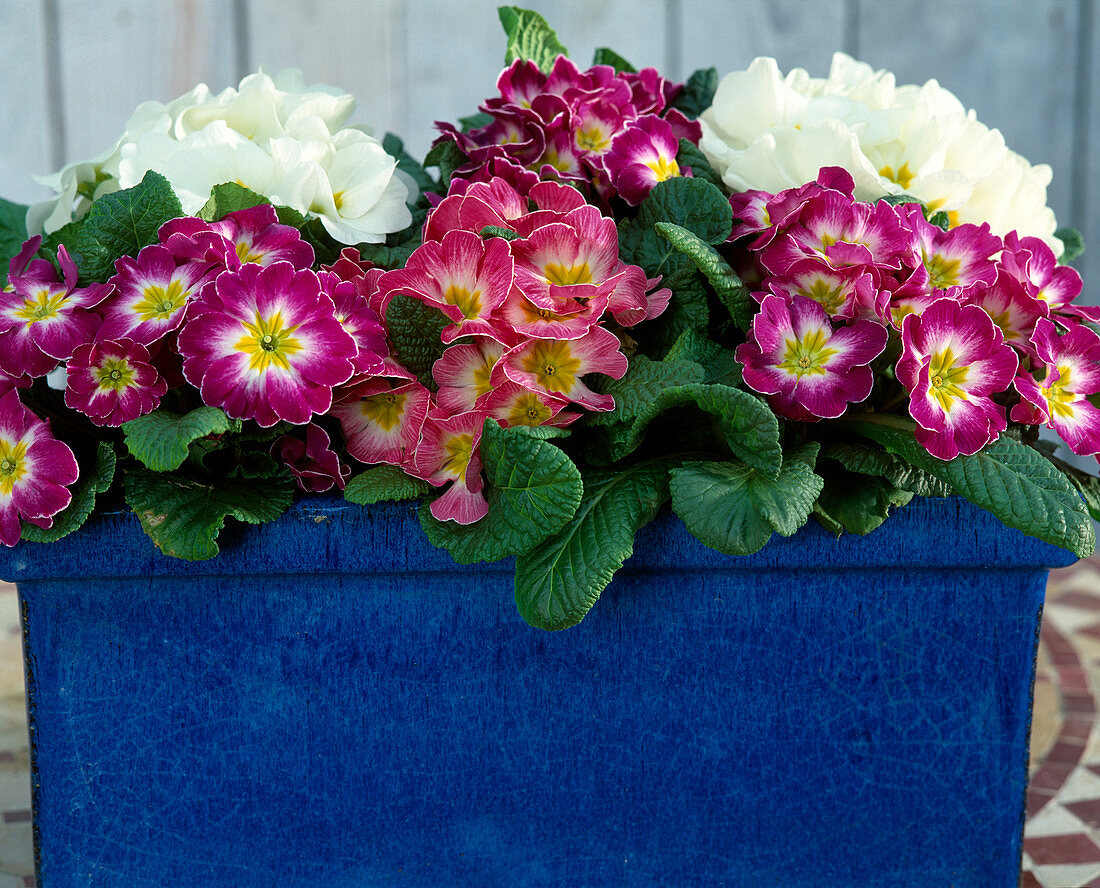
524 327
770 132
277 137
613 132
985 323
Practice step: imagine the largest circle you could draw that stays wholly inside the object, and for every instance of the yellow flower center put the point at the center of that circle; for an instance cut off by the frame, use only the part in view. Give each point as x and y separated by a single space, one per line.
564 277
665 168
945 379
903 176
553 365
43 303
829 298
246 254
384 410
528 410
159 303
268 344
1059 400
13 464
942 272
116 374
808 356
482 374
458 450
468 303
593 138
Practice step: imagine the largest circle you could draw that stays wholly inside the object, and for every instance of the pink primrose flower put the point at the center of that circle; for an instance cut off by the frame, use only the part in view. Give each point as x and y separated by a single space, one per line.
1060 400
961 257
954 360
470 206
555 366
112 382
808 369
448 452
641 156
257 236
151 295
312 462
360 321
1030 261
43 318
35 470
190 239
465 374
1007 302
844 293
511 405
384 423
263 343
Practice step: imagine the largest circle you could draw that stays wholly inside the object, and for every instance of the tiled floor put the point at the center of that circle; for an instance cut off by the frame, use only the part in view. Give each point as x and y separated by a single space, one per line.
1062 837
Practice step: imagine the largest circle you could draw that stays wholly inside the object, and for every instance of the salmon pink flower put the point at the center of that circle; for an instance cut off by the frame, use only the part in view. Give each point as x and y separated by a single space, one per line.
35 470
448 451
808 369
383 425
464 373
555 366
151 295
43 318
954 360
263 344
1060 401
113 382
312 462
513 405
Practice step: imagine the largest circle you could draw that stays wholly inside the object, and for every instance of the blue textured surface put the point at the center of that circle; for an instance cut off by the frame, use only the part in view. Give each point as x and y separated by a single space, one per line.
359 711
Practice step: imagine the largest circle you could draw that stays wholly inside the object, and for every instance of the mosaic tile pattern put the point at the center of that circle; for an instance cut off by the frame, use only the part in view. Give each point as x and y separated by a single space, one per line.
1062 836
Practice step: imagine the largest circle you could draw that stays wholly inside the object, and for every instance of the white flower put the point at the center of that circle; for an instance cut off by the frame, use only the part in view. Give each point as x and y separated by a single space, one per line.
768 132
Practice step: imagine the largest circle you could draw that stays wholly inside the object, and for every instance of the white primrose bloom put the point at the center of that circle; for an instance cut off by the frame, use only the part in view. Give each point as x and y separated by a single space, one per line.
769 132
276 136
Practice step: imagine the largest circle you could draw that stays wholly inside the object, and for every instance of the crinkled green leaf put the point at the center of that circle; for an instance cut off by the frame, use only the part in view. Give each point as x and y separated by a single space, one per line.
698 93
872 461
694 204
856 503
227 198
559 580
447 157
733 508
73 516
1011 480
530 38
1072 243
605 56
534 488
720 364
690 155
1087 485
643 381
120 224
408 164
725 282
380 483
748 425
161 440
183 515
415 330
13 231
496 231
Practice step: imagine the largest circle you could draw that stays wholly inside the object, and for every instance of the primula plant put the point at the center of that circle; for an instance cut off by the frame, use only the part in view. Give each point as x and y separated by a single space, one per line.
611 296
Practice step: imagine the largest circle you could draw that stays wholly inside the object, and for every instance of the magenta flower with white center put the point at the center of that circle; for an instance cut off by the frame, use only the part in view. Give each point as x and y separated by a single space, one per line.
962 257
448 451
843 293
1060 400
352 309
954 360
35 470
1030 261
263 343
313 463
257 236
466 277
1007 302
464 373
151 295
640 157
808 369
383 424
43 318
191 240
555 366
112 382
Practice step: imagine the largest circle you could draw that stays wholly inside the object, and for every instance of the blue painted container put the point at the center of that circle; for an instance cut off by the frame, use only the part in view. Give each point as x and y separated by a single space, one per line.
333 702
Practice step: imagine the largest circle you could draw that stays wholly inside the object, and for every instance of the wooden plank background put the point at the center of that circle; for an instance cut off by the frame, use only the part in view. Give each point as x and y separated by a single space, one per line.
72 71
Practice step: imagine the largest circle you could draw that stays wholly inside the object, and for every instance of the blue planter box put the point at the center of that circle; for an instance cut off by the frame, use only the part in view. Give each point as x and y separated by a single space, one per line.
333 702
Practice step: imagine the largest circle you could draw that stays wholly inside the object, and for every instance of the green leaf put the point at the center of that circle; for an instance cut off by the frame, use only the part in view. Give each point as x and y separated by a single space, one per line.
698 93
73 516
183 515
380 483
642 383
161 440
725 282
694 204
872 461
475 121
857 503
896 200
733 508
747 424
13 232
534 489
1072 242
408 164
529 37
559 580
120 224
605 56
447 157
691 156
1011 480
415 330
940 219
720 364
227 198
496 231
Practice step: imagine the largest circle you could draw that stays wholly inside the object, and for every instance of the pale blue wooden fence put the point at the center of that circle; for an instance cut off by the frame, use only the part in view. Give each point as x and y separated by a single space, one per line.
72 71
